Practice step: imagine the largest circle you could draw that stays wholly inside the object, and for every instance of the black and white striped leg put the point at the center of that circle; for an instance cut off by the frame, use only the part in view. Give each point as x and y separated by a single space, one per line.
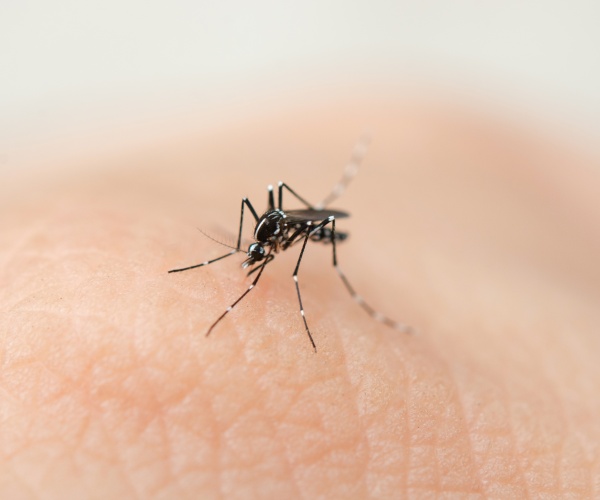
262 268
295 276
206 263
350 171
357 298
309 230
245 201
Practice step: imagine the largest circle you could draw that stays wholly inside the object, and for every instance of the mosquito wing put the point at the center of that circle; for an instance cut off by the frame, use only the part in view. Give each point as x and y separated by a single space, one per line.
312 215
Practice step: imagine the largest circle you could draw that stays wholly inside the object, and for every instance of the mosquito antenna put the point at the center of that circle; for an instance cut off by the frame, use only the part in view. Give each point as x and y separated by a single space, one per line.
358 153
217 241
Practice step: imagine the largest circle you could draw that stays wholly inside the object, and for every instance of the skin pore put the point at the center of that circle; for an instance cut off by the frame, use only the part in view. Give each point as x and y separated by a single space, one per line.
483 238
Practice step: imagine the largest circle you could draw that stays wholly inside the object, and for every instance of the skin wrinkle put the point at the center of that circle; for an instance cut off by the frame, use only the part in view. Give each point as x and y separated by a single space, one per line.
517 452
462 414
423 468
227 418
407 433
216 460
156 416
354 397
240 460
285 420
168 439
136 470
130 373
211 435
369 408
292 451
261 378
547 449
497 427
561 473
278 411
201 433
346 365
319 453
390 453
171 479
52 466
492 420
564 428
109 440
452 394
39 413
307 460
347 454
546 383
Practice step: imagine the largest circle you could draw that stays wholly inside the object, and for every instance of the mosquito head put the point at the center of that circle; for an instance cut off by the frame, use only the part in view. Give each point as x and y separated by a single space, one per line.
256 253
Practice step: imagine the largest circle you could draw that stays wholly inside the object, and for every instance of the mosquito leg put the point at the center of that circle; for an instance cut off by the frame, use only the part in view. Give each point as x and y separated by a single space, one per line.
203 263
296 195
271 198
245 201
295 276
356 158
357 298
350 171
310 229
262 268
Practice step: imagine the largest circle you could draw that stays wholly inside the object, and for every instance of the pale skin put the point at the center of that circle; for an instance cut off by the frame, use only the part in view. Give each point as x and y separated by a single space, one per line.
483 239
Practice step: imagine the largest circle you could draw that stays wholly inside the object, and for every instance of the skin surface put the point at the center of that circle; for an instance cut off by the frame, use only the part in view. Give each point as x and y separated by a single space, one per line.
481 236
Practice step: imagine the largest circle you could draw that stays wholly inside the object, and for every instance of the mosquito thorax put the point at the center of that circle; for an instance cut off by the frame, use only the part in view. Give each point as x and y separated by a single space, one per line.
268 225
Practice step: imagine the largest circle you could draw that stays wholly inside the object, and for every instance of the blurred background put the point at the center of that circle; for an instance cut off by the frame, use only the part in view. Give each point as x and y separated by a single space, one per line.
112 73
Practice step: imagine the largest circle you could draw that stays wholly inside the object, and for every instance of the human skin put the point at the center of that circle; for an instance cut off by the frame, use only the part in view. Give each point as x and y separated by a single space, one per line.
482 238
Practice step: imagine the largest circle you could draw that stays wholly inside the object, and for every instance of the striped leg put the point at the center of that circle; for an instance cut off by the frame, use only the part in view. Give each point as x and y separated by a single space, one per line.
310 229
372 312
206 263
245 201
350 171
262 268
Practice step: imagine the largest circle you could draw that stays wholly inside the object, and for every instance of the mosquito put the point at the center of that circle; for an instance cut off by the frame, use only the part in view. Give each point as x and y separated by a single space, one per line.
278 229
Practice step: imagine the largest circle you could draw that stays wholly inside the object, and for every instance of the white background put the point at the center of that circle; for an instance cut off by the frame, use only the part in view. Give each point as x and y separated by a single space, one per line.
68 65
